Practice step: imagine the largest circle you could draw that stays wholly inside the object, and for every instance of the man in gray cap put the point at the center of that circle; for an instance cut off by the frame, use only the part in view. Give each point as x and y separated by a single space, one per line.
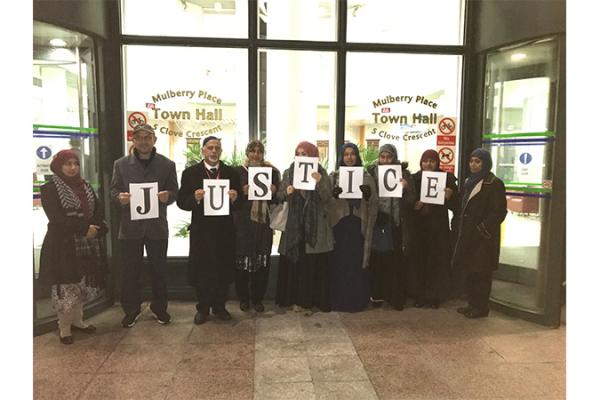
144 165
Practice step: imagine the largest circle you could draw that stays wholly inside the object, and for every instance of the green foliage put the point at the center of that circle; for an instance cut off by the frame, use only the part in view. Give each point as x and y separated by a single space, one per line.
193 155
182 229
368 155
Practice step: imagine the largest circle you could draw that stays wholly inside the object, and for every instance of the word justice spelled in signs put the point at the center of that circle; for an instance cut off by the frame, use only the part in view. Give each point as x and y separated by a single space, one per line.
350 180
389 180
259 183
143 203
303 169
432 187
216 198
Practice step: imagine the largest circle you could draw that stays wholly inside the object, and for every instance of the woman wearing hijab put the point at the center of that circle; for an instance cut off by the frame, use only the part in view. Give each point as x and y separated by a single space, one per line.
254 237
303 279
432 253
478 245
392 236
72 256
352 221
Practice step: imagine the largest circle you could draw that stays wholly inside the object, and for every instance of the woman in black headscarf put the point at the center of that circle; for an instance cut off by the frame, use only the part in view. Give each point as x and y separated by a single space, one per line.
352 221
72 258
478 246
432 253
392 236
254 236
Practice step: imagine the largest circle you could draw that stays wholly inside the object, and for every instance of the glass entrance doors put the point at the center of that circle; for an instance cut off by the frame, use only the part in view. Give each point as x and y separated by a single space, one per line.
64 117
520 131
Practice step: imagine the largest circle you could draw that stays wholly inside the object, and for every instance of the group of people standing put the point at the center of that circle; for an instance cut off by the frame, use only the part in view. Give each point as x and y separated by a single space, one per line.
335 253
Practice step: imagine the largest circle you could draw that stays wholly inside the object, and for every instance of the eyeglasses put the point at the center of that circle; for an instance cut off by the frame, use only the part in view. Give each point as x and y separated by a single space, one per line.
145 138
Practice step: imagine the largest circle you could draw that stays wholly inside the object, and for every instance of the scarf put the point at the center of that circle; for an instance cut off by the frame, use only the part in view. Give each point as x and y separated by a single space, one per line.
352 203
302 218
473 179
76 183
388 205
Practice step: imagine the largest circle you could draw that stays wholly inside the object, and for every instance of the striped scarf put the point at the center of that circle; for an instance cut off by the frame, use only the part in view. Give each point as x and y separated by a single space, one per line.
72 206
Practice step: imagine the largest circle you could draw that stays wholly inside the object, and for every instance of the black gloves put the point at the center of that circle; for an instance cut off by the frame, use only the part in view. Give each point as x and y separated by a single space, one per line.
366 190
336 192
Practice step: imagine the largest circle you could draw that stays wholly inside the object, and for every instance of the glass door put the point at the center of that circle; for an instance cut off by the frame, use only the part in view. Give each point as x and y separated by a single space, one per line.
64 117
520 131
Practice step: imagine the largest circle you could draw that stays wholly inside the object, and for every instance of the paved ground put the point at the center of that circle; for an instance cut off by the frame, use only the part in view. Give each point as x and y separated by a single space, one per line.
282 354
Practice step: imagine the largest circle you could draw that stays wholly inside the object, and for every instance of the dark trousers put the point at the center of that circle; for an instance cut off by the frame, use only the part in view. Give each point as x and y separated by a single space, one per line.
211 296
479 286
388 277
133 253
251 285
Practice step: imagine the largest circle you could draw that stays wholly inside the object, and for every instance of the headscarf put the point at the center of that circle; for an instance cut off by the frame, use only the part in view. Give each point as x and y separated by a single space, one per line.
390 148
431 155
389 205
258 209
474 179
310 149
75 183
356 152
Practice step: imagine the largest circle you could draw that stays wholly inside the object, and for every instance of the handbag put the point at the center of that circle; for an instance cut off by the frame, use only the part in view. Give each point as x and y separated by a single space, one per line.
278 216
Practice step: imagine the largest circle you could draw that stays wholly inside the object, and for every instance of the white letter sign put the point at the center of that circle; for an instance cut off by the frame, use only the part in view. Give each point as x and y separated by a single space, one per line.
216 198
259 183
389 177
143 203
350 180
432 187
303 168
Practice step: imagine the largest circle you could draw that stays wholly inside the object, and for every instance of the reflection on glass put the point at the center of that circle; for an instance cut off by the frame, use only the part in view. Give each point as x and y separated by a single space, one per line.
198 92
518 130
64 116
435 22
194 18
297 20
402 99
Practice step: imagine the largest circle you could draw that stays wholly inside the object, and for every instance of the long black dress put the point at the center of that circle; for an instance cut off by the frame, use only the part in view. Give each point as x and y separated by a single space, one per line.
432 255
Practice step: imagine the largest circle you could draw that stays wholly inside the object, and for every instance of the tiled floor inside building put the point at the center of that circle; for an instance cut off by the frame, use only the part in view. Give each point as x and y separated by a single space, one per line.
282 354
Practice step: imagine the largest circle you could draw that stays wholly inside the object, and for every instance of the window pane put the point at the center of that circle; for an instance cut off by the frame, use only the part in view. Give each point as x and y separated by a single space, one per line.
194 18
64 117
296 103
409 100
520 98
403 21
185 102
297 20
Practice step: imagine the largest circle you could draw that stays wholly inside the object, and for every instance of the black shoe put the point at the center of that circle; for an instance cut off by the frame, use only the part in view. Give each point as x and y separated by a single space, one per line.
463 310
419 304
87 329
434 305
222 314
66 340
162 317
200 318
244 306
129 320
259 307
476 313
398 307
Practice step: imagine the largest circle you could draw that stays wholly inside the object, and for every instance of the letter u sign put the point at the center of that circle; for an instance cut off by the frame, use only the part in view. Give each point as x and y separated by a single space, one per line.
216 197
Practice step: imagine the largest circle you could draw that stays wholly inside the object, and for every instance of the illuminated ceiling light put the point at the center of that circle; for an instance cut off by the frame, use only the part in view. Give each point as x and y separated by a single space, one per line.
58 43
518 56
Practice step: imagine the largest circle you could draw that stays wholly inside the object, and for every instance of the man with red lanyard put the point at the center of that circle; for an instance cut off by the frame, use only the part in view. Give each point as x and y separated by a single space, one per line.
212 238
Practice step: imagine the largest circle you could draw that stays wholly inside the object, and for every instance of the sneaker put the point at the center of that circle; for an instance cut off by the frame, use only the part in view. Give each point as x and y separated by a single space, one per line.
162 317
222 314
66 340
85 329
129 320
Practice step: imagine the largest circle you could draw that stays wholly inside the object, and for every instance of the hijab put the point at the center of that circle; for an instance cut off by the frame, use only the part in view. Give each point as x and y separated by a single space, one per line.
310 149
258 208
75 183
356 153
473 179
431 155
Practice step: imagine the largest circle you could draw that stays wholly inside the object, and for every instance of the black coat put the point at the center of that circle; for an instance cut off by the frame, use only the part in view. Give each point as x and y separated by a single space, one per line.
252 238
212 239
478 244
58 262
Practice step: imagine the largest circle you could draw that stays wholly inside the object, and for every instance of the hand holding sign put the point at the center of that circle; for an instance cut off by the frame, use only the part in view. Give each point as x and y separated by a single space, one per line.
163 196
143 202
432 187
216 193
259 182
351 178
390 180
304 167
